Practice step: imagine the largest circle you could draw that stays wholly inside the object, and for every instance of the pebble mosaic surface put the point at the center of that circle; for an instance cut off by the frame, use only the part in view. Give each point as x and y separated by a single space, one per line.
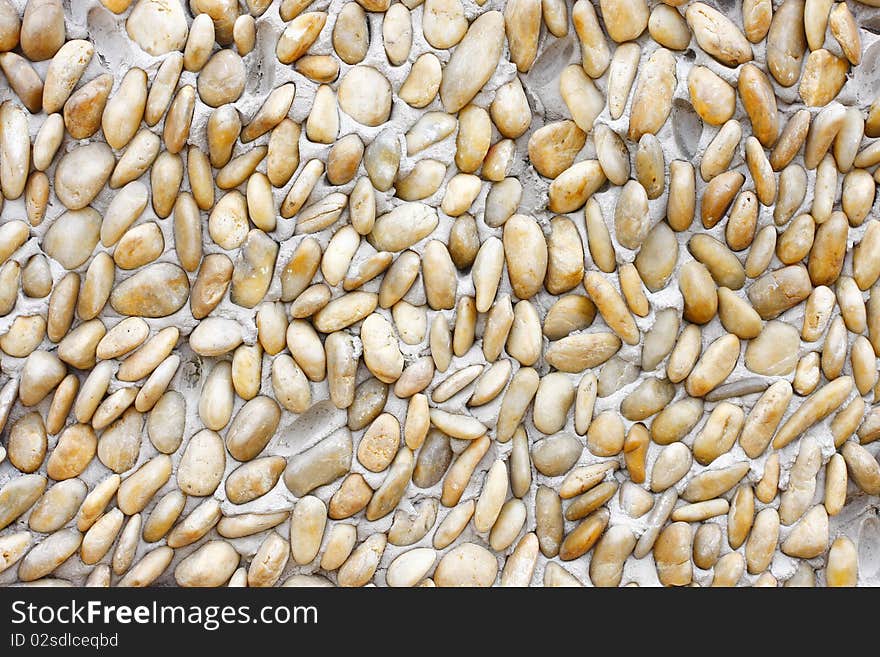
439 293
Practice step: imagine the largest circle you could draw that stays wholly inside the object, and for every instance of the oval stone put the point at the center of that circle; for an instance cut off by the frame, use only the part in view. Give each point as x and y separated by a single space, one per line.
82 173
775 351
365 95
155 291
84 225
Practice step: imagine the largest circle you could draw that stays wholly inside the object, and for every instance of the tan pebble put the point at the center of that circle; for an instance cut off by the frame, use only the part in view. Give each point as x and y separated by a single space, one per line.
682 195
554 456
100 537
817 406
482 44
828 250
570 313
47 140
817 313
583 537
722 264
492 497
652 99
552 148
48 554
609 556
583 478
365 95
149 568
761 252
67 66
719 195
123 211
711 483
78 347
823 130
14 546
847 420
163 87
139 487
409 568
718 35
215 274
81 173
83 110
699 292
163 516
391 490
759 102
621 71
809 537
41 29
319 465
595 54
858 196
18 495
340 542
352 496
408 528
124 110
650 165
836 481
592 500
862 467
499 160
351 36
526 274
124 553
23 79
823 77
42 371
223 128
786 42
524 340
796 240
299 35
670 467
307 523
842 569
24 335
397 33
423 82
764 418
57 506
648 398
728 570
612 154
282 156
766 488
779 290
467 564
737 316
402 227
510 110
668 28
712 98
574 186
707 545
584 101
211 565
672 553
269 561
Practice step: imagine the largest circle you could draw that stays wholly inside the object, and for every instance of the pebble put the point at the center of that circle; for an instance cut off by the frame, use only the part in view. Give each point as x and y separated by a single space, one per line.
486 315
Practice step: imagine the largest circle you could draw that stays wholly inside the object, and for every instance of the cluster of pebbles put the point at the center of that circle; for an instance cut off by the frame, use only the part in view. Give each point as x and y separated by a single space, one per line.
439 292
